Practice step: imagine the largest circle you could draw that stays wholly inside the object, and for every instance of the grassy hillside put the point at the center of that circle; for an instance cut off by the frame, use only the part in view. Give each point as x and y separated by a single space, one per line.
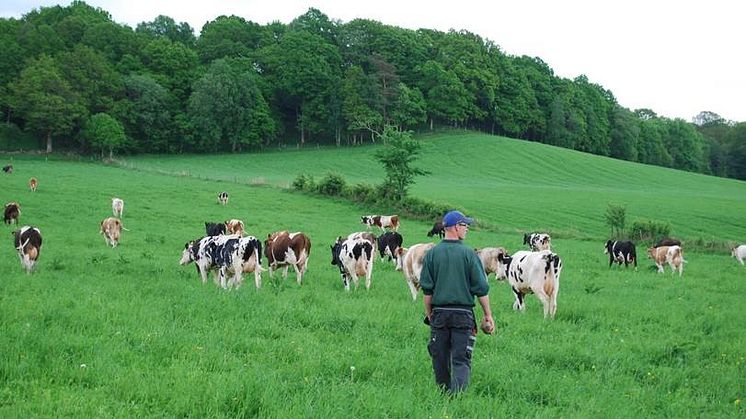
127 332
516 185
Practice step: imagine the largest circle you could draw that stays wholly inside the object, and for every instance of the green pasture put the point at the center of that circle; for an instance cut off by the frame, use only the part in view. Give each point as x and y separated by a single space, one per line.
127 332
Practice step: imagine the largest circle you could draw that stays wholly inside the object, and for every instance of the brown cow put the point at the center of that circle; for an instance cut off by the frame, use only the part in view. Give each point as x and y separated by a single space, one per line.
410 262
284 249
111 228
33 183
27 242
673 255
12 212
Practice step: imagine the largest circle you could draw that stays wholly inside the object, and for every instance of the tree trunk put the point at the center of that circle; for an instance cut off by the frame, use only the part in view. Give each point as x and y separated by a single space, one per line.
431 124
49 141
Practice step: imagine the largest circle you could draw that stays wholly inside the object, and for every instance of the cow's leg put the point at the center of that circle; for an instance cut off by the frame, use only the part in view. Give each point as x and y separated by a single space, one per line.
518 304
740 260
355 279
285 272
298 275
660 267
412 289
202 269
345 282
222 272
257 278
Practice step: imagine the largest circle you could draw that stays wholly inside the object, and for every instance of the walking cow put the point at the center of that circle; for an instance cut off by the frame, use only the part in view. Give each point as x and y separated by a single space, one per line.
621 251
27 242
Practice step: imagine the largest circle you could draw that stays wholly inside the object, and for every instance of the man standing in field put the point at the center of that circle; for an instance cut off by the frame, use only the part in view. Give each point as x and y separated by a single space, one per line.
452 275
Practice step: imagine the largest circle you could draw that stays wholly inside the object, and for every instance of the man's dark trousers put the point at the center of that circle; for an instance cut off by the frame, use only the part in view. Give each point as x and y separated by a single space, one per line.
452 337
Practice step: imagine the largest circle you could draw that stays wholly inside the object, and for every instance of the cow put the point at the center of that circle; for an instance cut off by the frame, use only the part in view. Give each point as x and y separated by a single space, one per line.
438 229
381 221
225 253
667 241
214 229
284 249
490 257
27 242
537 241
739 253
370 237
533 272
111 228
673 255
8 169
12 212
353 257
388 244
234 226
33 184
223 198
117 207
410 262
621 251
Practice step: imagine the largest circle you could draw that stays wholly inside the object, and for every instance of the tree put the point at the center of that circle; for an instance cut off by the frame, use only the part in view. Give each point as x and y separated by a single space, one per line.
44 99
615 217
397 156
408 109
228 37
164 26
105 133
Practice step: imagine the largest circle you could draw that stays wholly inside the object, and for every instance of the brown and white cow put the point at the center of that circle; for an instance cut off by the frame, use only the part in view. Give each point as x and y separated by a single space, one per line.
234 226
410 263
284 249
111 228
673 255
27 242
533 272
490 257
33 184
12 212
381 221
117 207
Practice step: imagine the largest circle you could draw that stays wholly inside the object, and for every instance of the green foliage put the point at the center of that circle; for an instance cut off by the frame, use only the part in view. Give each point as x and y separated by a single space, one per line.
397 156
649 230
331 184
13 138
615 217
104 133
304 182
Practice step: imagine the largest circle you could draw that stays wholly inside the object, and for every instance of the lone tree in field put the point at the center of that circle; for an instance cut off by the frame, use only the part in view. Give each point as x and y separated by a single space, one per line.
397 156
616 219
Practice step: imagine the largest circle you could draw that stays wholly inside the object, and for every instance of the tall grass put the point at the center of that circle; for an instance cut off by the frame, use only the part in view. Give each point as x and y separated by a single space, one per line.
127 332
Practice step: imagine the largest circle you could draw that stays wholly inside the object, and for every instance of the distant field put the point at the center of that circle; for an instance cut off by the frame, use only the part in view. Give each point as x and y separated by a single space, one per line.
516 185
127 332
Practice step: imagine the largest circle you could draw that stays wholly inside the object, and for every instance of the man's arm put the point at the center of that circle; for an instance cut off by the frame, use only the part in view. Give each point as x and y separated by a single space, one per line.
484 301
428 299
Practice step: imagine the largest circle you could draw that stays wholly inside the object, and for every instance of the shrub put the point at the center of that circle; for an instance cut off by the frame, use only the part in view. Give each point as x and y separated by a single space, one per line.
332 184
649 230
363 192
304 182
616 219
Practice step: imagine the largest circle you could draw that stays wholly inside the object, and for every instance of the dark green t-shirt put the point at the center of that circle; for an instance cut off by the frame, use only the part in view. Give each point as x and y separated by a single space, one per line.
453 274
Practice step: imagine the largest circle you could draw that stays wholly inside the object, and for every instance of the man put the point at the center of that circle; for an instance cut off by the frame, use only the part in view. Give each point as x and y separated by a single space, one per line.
451 276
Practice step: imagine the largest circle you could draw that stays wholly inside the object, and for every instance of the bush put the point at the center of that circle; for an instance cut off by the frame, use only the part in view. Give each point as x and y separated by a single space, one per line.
363 192
649 230
13 139
332 184
304 182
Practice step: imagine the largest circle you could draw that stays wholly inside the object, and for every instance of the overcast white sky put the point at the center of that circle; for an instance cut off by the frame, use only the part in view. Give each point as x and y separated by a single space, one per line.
675 57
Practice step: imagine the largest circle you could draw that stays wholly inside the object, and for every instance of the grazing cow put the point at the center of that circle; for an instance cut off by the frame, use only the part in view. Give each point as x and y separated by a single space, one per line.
621 251
537 272
673 255
27 242
111 228
234 226
226 253
284 249
354 259
739 253
537 241
12 212
381 221
214 229
8 169
33 184
490 257
388 244
223 198
117 207
370 237
667 241
438 229
409 261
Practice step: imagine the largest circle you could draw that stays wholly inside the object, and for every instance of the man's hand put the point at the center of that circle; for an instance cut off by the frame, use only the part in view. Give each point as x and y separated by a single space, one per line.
488 325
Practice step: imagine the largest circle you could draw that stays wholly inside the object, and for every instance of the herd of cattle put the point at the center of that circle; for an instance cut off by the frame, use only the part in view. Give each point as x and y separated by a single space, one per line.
229 253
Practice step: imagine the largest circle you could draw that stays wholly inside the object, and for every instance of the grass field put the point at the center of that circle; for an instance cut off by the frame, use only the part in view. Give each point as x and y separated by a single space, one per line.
127 332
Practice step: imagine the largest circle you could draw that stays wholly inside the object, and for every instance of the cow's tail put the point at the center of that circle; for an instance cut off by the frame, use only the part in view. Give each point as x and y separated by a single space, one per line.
22 246
553 264
125 229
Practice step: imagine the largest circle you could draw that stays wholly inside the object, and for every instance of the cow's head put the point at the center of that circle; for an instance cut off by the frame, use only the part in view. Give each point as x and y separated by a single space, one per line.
607 246
504 260
652 252
399 255
733 251
187 255
527 238
366 219
336 248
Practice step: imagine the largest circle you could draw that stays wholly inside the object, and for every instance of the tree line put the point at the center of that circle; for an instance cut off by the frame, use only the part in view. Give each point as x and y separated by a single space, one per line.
78 80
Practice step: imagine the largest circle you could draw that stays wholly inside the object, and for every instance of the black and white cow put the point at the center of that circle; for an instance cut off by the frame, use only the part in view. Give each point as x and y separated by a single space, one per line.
533 272
226 253
352 257
223 198
27 242
437 230
8 169
388 243
537 241
621 251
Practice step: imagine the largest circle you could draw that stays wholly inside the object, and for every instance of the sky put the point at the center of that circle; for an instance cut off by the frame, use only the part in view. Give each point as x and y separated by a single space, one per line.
677 58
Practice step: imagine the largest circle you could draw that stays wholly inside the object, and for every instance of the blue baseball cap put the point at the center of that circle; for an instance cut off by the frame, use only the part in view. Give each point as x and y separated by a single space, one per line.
455 217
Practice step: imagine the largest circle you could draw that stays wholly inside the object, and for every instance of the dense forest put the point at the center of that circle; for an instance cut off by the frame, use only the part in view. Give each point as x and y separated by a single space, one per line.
74 79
